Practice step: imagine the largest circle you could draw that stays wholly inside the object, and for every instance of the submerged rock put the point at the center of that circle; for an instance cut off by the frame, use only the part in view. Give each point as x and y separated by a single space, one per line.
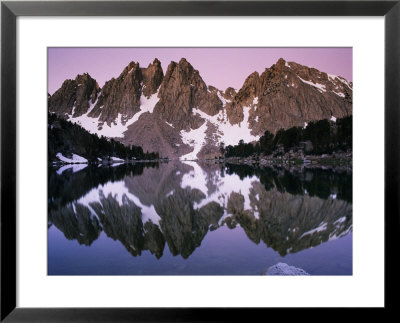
282 269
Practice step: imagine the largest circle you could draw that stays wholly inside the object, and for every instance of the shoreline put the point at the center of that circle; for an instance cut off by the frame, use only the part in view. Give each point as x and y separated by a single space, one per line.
341 160
344 159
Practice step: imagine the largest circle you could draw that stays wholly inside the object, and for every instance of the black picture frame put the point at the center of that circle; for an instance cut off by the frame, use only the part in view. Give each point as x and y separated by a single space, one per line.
10 10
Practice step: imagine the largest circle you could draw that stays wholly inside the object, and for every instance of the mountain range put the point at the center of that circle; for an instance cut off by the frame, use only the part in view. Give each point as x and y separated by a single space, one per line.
178 115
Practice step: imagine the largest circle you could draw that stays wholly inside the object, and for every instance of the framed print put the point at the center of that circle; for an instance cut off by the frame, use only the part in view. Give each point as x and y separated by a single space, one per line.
161 159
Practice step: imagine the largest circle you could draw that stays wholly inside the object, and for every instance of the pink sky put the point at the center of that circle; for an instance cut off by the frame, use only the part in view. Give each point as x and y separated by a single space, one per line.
220 67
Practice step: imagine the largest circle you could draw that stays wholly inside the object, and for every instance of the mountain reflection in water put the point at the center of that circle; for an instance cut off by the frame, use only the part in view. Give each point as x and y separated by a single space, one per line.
148 206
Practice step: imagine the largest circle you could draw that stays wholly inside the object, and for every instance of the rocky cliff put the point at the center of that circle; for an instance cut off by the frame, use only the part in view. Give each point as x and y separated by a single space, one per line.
74 97
178 115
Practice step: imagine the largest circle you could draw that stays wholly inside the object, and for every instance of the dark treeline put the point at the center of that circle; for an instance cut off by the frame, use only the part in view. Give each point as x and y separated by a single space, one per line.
315 182
70 186
66 137
325 136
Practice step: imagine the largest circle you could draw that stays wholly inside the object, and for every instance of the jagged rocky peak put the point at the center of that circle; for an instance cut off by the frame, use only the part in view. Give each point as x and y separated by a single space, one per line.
289 94
250 89
183 90
211 88
230 93
62 101
322 81
120 97
177 114
87 90
152 78
72 99
132 68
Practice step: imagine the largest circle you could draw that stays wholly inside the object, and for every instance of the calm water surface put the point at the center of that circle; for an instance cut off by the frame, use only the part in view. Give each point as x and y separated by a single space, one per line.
197 219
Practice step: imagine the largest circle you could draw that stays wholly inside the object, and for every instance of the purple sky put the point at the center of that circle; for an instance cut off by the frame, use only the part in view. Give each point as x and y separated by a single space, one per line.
220 67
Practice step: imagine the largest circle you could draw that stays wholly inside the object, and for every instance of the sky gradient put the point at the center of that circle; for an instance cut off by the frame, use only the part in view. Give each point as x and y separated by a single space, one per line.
219 67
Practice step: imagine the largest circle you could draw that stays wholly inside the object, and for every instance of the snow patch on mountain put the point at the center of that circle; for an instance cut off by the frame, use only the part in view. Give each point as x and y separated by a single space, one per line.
84 121
339 94
118 127
74 159
195 138
320 87
226 132
223 100
146 105
332 78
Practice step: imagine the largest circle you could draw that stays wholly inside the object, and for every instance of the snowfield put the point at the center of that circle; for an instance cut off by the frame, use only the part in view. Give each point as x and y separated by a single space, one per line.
73 160
226 132
117 128
332 78
339 94
320 87
223 100
196 138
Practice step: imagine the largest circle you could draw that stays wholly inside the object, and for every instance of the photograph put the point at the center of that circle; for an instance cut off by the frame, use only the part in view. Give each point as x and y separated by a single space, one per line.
200 161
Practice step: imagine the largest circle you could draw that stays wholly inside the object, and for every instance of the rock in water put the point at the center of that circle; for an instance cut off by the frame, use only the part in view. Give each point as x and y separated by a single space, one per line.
282 269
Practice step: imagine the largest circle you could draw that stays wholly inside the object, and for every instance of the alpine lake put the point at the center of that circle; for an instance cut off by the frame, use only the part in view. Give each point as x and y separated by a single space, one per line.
197 218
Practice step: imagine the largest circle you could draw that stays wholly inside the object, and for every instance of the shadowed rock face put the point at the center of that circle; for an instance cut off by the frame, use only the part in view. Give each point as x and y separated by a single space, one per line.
285 95
74 96
289 94
165 205
154 134
87 88
152 78
182 90
120 96
119 99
